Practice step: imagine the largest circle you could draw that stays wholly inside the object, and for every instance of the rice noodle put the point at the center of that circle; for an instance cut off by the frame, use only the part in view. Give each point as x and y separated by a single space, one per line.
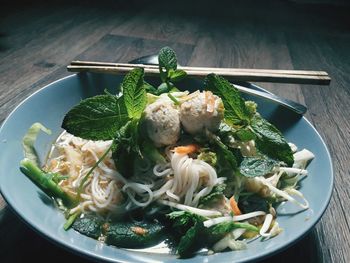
192 179
201 212
266 225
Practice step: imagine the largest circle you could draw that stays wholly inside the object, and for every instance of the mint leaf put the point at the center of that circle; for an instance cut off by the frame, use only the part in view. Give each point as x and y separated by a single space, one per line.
134 93
223 151
270 140
257 166
245 135
149 88
251 203
219 231
236 112
217 192
167 59
96 118
191 241
176 75
190 227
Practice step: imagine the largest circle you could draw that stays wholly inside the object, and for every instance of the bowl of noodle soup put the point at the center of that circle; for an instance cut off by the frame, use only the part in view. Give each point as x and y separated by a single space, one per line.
46 107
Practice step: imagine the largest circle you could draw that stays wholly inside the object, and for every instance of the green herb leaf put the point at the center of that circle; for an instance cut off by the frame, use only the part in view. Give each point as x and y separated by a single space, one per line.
190 227
167 59
251 203
236 112
191 241
219 231
134 234
149 88
245 135
257 166
134 93
177 75
96 118
89 225
270 140
163 88
223 151
217 192
152 153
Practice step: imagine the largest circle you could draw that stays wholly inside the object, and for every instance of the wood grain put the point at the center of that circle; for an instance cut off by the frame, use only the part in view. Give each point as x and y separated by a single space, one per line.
38 40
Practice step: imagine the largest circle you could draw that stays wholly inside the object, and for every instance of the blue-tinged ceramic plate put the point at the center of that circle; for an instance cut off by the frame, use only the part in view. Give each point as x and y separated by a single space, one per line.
50 104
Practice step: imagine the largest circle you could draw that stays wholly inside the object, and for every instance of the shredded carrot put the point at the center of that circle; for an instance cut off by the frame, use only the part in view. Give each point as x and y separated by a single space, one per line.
191 148
234 207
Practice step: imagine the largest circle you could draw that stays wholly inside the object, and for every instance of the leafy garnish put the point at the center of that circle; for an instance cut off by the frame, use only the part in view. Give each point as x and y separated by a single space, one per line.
181 219
245 135
152 153
236 112
217 192
45 183
223 151
89 225
29 140
218 231
190 228
191 241
134 93
167 59
168 71
270 140
176 75
257 166
96 118
251 203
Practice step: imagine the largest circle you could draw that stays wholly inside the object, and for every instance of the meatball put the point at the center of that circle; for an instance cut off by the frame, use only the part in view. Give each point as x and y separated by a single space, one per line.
202 111
162 122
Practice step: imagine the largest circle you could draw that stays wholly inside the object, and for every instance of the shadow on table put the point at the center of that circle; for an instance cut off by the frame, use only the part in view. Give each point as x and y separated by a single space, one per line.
21 244
305 250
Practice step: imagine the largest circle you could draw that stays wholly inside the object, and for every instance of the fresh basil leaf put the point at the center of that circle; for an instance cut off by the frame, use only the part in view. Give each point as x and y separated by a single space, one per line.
177 75
236 112
255 166
134 93
96 118
167 59
270 140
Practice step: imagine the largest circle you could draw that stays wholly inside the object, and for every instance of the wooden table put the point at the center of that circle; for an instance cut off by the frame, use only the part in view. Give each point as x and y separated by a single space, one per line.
37 41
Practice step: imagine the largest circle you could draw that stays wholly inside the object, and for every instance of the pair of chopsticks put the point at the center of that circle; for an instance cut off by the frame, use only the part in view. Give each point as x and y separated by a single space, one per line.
233 74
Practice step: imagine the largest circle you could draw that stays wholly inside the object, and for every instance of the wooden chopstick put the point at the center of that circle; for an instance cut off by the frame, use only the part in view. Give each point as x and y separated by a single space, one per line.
258 75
